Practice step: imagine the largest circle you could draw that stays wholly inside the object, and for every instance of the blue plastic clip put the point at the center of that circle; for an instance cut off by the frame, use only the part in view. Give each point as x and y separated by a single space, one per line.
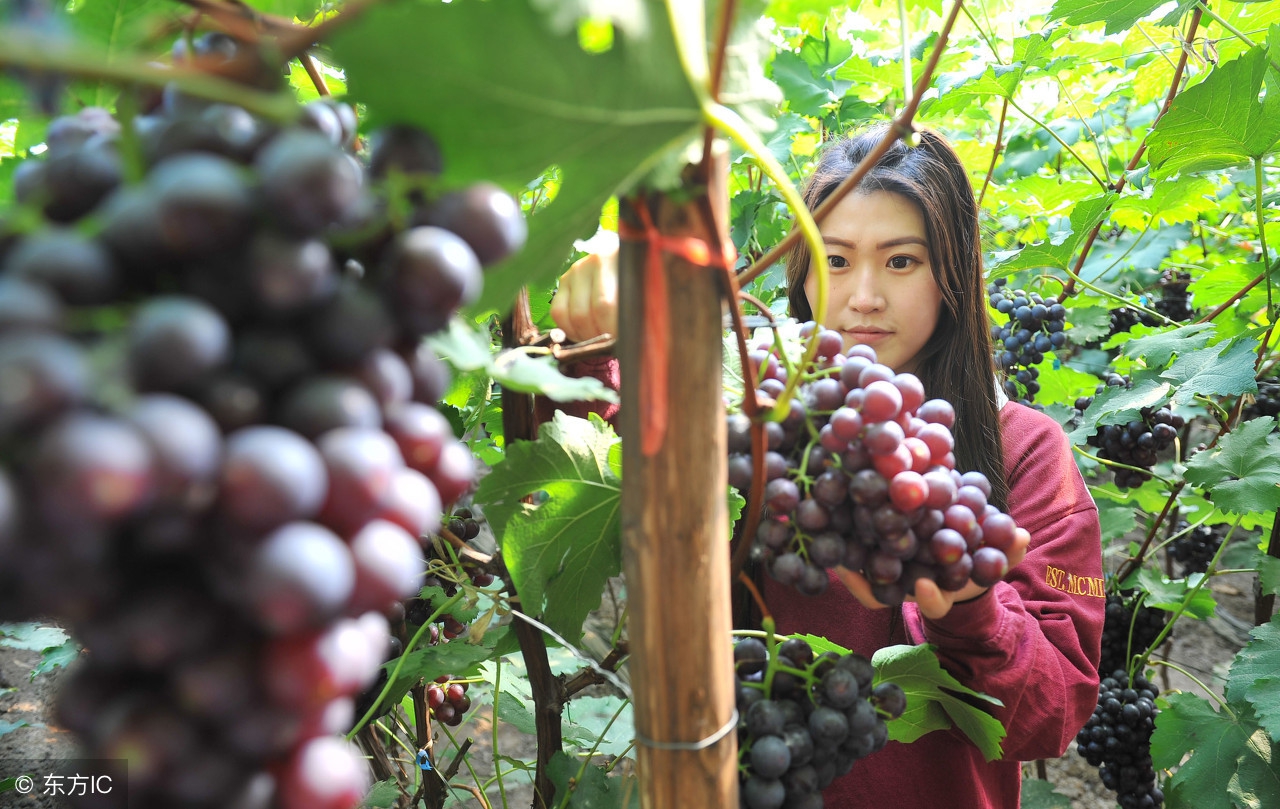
424 761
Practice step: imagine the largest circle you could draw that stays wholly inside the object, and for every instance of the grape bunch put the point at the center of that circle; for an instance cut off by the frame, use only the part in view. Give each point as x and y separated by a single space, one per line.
1125 318
861 474
1035 326
1113 380
1175 300
463 524
447 698
217 427
1137 443
1195 549
1124 634
1266 402
804 721
1117 739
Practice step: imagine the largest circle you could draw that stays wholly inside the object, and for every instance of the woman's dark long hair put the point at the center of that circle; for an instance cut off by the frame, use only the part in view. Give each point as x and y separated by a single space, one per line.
956 363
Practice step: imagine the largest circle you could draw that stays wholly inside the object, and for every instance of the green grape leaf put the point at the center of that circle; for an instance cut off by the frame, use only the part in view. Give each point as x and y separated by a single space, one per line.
1117 14
7 727
56 657
1219 122
932 699
1063 384
507 113
31 636
467 348
808 77
1214 371
1037 794
1231 756
1242 473
515 712
1088 323
560 552
1117 405
1166 203
589 788
1116 519
1166 594
1059 250
1156 346
1255 676
383 795
586 720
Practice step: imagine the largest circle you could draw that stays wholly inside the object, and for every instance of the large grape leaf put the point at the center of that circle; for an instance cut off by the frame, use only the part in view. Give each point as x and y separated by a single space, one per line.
1231 761
1117 405
1242 474
1156 346
1060 248
530 100
1219 122
1037 794
1255 676
589 788
1166 594
560 552
932 699
1117 14
1214 371
457 658
807 77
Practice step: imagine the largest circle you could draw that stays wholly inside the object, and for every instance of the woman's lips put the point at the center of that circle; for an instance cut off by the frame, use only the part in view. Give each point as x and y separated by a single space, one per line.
868 335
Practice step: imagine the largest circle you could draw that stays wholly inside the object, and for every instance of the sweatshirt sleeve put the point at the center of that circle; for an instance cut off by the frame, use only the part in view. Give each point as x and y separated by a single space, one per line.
1033 640
604 369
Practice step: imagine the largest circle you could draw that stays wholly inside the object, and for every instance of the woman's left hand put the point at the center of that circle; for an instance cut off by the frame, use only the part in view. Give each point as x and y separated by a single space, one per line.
934 601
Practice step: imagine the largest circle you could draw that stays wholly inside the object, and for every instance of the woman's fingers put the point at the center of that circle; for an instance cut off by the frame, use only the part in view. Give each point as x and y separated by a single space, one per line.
860 587
586 304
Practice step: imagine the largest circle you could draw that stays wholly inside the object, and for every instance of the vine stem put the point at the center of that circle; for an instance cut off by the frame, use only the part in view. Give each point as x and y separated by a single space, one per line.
40 54
1266 256
1235 32
1134 562
395 672
313 72
582 768
1196 680
1101 182
1172 93
1141 660
995 151
1229 302
901 125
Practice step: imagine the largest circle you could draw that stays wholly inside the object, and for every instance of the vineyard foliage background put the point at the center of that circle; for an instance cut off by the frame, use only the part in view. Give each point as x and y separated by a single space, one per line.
1087 189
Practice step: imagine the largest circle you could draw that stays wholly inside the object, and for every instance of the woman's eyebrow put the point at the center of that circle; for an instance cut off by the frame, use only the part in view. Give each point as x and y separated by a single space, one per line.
839 242
901 240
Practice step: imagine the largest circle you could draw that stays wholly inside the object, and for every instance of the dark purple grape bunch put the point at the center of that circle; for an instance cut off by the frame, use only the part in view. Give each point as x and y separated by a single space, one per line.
1126 635
805 720
1124 318
1266 402
220 447
1117 739
1194 548
1175 299
1033 327
861 473
1137 443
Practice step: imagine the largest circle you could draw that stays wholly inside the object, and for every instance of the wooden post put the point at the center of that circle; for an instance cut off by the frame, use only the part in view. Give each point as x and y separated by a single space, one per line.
675 529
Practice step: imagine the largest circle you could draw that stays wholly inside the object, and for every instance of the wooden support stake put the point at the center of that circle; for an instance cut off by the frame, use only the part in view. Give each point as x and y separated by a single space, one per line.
675 530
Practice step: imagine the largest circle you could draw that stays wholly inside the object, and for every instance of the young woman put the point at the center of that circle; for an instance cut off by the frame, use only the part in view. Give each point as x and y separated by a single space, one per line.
906 278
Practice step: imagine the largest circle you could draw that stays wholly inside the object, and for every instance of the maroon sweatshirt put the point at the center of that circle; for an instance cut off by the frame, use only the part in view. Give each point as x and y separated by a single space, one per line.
1032 641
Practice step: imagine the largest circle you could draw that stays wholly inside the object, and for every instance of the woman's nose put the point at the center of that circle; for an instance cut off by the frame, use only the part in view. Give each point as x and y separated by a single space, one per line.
864 291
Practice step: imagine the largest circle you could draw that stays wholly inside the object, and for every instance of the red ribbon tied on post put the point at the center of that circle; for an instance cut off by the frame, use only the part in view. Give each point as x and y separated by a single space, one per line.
654 361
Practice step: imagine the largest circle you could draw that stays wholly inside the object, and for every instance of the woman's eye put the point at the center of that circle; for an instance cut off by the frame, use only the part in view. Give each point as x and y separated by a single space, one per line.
901 262
837 262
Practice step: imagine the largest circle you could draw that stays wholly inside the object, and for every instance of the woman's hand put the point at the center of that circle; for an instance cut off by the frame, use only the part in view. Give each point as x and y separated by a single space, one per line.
934 601
586 304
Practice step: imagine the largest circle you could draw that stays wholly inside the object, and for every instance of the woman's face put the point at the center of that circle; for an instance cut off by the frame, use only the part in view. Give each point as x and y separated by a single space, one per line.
882 293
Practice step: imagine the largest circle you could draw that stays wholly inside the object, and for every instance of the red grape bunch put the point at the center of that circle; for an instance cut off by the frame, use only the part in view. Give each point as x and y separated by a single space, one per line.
805 720
218 442
861 473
